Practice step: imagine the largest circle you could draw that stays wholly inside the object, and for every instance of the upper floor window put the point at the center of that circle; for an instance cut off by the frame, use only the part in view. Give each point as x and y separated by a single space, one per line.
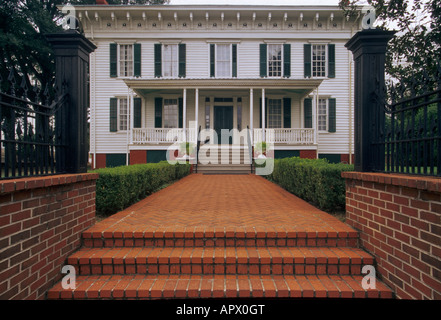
170 60
319 60
125 60
223 60
275 60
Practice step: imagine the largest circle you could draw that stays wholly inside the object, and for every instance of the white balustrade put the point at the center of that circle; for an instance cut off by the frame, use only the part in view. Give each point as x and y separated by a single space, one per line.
294 136
162 135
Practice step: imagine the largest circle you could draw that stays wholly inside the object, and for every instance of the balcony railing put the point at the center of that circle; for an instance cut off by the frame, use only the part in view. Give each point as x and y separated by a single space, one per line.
293 136
162 135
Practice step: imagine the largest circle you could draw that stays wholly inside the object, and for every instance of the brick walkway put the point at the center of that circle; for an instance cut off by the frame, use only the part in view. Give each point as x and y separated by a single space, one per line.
220 236
209 202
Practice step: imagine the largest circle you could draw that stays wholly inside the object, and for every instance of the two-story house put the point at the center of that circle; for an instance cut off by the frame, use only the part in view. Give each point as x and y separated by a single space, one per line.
161 73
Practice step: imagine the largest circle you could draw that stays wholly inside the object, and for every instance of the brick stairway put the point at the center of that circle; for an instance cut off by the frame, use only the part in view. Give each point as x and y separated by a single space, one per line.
123 257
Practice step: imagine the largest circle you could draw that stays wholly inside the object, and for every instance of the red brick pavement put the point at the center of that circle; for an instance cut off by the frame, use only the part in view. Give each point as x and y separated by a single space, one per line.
209 202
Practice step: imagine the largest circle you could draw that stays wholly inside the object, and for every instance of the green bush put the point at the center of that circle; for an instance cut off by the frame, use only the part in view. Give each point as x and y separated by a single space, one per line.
313 180
119 187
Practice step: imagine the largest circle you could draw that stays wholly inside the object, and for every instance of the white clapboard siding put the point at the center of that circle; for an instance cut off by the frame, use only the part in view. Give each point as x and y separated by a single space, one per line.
197 41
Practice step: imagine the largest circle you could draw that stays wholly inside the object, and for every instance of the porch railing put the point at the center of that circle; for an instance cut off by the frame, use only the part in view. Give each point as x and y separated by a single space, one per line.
285 135
163 135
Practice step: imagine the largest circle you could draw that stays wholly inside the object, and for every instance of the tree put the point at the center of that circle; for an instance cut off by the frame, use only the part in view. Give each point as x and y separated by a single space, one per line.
23 46
415 51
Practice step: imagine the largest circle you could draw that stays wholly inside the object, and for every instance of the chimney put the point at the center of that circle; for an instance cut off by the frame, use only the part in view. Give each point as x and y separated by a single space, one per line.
101 2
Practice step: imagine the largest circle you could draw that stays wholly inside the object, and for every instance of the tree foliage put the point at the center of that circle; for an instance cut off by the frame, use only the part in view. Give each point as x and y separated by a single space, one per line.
23 46
415 51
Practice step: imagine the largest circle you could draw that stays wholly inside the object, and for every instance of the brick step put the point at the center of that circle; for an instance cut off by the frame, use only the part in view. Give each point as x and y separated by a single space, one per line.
230 260
218 286
218 237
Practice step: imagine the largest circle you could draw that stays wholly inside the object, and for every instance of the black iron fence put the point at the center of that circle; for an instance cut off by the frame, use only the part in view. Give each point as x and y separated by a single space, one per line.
31 136
408 134
42 132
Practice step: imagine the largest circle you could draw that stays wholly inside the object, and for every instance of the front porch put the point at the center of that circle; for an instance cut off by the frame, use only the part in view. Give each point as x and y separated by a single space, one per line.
278 136
222 112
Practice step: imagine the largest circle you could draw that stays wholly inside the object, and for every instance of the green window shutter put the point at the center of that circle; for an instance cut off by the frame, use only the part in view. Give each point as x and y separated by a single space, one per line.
331 60
158 60
137 59
182 60
307 110
181 113
137 105
287 112
158 112
234 53
263 60
212 60
113 115
307 60
113 60
332 115
287 60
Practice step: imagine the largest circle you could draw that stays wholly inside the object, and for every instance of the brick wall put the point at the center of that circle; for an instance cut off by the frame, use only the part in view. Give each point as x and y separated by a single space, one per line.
41 221
399 219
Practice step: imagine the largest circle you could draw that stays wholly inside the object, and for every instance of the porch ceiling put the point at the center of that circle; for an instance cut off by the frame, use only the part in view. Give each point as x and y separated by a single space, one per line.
298 86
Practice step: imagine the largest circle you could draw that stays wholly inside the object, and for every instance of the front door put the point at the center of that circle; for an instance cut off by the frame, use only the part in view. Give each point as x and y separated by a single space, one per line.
223 119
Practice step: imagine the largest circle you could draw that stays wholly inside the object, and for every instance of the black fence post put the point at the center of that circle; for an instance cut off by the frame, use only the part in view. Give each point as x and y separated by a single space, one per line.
369 51
72 51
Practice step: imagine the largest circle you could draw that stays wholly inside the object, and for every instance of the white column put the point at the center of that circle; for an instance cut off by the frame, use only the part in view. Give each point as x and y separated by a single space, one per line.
263 115
251 116
132 116
196 114
184 114
314 115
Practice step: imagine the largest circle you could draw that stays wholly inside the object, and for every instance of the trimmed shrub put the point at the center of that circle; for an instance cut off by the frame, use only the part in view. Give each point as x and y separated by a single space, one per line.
313 180
119 187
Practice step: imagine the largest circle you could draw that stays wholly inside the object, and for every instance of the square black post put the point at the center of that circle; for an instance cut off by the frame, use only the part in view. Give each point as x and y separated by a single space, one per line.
369 51
72 51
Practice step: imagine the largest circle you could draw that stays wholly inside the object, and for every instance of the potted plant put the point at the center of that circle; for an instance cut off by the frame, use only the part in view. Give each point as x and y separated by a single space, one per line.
261 149
186 149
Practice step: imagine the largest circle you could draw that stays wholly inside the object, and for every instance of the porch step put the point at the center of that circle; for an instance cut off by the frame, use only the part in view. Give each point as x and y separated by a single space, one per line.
224 155
304 236
224 169
218 286
227 260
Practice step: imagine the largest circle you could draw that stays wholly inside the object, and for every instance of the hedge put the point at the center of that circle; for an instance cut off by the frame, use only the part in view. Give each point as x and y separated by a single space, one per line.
313 180
119 187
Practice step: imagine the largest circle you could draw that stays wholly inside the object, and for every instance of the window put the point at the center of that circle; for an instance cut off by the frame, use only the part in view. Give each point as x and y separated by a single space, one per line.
319 60
171 113
274 113
322 115
207 113
223 60
275 60
126 60
122 114
170 60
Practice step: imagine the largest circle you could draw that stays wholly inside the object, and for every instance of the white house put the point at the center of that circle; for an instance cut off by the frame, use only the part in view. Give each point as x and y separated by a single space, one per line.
161 72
